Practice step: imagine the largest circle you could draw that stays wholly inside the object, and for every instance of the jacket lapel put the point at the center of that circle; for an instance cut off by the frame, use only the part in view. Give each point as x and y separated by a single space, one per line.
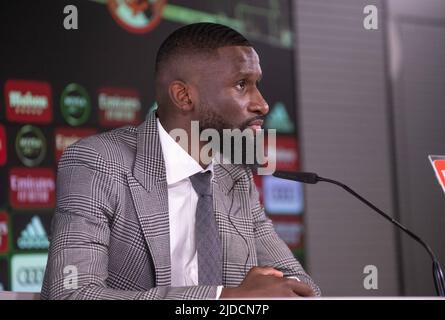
229 181
148 187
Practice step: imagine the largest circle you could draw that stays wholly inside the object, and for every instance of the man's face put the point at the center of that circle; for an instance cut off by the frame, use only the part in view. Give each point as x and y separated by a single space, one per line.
228 94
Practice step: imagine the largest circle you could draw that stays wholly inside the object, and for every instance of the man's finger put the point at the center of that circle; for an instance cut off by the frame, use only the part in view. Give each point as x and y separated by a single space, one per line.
269 271
301 288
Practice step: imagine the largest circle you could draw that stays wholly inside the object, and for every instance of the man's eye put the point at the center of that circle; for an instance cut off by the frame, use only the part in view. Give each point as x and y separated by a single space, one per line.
241 85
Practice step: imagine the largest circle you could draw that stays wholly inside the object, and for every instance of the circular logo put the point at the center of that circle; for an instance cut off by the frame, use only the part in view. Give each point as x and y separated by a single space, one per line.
75 104
137 16
30 145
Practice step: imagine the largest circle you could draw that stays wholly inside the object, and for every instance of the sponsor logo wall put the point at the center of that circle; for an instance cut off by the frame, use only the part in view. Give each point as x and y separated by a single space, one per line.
75 84
283 200
32 142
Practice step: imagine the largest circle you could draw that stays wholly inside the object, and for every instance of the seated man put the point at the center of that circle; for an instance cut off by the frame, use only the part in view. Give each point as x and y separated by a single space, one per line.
139 217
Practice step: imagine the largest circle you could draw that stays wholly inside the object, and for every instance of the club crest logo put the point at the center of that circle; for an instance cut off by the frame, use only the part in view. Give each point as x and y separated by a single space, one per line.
137 16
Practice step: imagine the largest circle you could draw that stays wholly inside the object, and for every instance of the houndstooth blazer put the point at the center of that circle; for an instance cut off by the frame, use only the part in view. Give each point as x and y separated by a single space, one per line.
110 231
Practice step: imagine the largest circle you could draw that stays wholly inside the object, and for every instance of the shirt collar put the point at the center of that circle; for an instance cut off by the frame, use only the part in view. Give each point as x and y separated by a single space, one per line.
179 164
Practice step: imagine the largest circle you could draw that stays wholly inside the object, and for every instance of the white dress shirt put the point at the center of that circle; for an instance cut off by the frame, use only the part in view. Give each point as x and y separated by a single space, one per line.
182 202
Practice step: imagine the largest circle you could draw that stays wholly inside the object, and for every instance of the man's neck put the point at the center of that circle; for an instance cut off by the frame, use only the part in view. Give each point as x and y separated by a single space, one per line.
170 124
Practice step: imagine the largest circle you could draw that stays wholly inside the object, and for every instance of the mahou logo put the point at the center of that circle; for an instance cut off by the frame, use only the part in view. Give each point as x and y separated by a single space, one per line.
67 136
31 188
290 229
28 101
286 153
118 107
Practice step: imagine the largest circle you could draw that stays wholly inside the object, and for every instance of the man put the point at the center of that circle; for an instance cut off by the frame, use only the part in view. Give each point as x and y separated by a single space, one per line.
131 219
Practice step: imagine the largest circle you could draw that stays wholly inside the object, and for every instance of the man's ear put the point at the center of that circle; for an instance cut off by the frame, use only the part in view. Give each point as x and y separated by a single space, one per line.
180 95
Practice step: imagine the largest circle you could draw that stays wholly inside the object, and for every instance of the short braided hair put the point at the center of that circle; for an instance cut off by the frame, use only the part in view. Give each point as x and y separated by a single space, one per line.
198 37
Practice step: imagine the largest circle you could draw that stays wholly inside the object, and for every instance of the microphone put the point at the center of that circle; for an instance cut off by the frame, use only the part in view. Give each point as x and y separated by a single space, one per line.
305 177
312 178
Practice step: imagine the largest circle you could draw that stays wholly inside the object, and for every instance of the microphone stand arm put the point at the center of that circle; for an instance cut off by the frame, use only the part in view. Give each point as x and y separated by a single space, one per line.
439 281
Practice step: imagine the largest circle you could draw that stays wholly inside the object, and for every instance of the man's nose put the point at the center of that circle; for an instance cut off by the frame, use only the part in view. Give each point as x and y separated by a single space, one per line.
259 105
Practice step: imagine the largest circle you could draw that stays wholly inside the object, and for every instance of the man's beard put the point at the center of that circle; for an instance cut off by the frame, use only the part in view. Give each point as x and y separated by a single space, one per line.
228 146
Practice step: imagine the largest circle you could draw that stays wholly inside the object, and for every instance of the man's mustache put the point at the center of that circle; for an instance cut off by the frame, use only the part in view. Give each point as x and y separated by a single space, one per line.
245 124
221 126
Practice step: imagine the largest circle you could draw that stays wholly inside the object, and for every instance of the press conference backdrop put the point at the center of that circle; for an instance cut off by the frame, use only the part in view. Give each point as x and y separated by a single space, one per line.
61 85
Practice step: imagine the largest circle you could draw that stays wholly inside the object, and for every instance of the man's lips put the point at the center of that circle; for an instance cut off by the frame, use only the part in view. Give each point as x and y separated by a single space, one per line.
256 124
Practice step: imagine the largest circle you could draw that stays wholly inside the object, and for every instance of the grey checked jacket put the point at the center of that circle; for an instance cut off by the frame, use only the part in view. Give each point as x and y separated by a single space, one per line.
112 223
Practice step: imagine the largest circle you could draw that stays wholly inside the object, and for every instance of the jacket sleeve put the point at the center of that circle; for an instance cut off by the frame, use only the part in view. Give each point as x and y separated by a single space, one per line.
271 250
77 265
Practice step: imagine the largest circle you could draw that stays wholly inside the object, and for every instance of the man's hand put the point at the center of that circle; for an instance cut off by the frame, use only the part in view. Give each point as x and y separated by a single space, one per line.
263 282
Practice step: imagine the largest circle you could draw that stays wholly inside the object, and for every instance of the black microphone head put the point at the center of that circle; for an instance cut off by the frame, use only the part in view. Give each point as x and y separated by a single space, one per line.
304 177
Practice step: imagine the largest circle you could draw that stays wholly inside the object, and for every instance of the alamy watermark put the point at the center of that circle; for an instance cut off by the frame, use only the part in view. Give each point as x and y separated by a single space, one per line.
371 21
370 282
70 279
71 20
249 147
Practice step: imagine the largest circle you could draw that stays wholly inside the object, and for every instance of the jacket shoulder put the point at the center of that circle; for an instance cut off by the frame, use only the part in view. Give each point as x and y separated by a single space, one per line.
112 149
